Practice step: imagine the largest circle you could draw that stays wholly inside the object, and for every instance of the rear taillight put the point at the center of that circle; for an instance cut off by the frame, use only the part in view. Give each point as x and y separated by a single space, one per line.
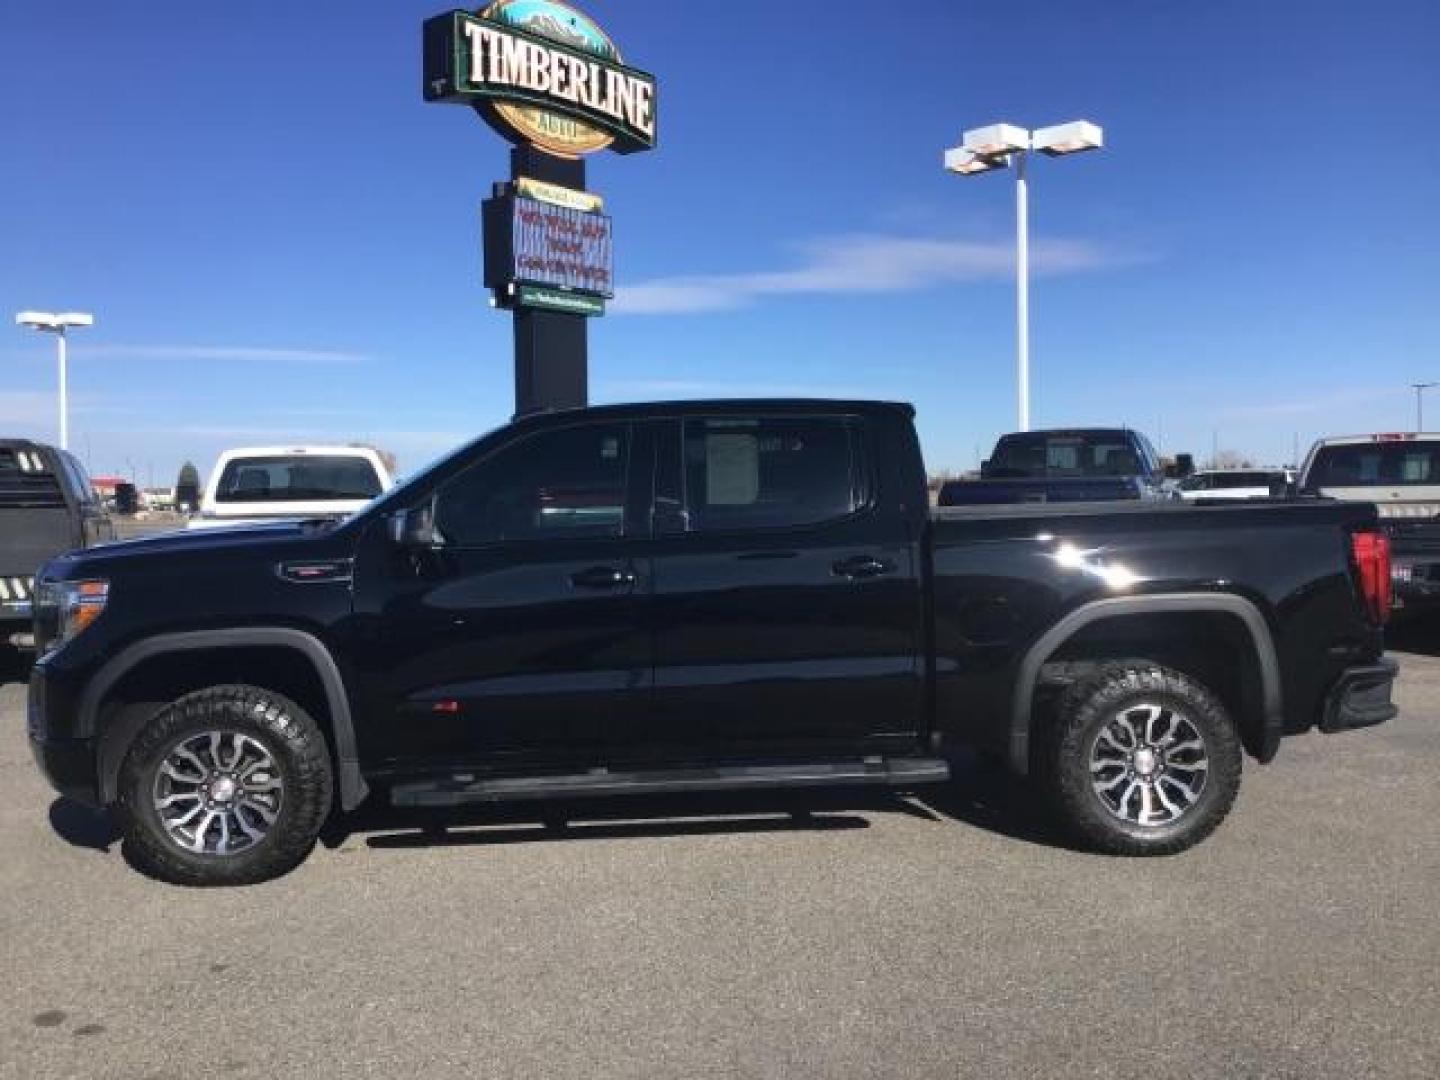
1371 553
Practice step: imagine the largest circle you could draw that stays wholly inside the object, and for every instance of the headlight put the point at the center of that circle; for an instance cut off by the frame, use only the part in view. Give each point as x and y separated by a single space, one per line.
63 609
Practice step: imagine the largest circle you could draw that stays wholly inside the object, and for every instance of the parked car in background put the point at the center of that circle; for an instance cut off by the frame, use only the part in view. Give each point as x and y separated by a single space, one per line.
1236 484
1400 473
47 507
688 597
1069 465
259 485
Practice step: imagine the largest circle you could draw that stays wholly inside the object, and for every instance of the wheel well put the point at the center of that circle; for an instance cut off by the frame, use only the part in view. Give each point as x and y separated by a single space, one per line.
158 680
1213 647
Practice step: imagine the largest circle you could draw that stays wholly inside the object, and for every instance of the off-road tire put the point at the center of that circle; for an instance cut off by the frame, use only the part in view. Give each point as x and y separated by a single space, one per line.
1084 710
294 742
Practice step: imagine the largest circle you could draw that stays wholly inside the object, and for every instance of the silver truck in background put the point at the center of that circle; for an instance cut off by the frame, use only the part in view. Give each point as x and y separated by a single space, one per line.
1400 473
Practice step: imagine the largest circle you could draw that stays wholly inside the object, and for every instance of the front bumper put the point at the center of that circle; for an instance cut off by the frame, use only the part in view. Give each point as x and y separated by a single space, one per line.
1361 697
70 765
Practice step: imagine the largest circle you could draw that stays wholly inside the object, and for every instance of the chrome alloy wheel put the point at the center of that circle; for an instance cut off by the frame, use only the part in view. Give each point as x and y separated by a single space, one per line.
217 793
1148 764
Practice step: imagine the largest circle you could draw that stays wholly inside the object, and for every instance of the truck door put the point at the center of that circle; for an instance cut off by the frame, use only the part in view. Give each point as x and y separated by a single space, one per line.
786 605
519 635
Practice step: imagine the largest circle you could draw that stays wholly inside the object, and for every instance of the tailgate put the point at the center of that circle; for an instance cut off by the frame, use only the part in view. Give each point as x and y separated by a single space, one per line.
1037 490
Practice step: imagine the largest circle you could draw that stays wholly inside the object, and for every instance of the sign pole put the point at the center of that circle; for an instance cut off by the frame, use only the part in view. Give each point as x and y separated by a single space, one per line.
552 348
550 80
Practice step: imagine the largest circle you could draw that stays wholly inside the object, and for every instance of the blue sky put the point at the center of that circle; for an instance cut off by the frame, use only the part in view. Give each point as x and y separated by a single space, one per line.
281 243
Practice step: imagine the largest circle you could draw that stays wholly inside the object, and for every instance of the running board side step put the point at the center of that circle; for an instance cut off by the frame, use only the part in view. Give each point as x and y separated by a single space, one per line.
465 788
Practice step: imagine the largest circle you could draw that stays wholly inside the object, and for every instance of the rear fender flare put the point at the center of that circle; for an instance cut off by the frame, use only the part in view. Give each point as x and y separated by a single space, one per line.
352 786
1272 721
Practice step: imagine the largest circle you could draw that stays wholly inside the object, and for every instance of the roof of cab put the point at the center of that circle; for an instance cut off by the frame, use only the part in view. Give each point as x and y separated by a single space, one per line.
702 406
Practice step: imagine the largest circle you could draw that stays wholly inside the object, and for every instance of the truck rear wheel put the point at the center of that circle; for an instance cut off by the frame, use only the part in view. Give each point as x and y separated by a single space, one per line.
226 786
1141 760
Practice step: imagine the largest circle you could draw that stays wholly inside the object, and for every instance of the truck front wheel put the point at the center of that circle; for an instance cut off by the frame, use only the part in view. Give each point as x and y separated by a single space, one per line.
226 786
1141 760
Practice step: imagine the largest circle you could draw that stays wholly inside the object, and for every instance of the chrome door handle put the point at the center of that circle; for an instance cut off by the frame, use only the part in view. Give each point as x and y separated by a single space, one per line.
602 577
862 566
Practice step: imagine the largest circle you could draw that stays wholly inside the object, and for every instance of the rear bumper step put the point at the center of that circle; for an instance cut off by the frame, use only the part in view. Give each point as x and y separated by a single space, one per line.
888 772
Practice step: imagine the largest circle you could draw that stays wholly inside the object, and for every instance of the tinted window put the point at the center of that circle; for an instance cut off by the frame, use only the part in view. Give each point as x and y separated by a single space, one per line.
1389 464
558 484
84 491
297 477
1046 454
769 472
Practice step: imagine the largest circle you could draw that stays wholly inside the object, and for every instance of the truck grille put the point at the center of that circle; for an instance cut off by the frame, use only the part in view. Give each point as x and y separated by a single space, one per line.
16 591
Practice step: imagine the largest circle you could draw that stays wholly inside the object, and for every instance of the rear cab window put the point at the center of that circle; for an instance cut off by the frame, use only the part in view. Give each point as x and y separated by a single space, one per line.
1388 464
1049 454
297 478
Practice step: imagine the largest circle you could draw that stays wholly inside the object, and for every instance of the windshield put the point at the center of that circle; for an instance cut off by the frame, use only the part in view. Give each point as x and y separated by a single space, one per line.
1041 454
297 478
1387 464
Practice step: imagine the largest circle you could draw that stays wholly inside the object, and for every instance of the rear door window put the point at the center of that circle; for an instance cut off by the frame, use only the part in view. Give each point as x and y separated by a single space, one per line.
768 472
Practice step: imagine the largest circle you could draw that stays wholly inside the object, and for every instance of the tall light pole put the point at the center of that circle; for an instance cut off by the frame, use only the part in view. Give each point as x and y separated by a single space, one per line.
1420 388
996 147
57 322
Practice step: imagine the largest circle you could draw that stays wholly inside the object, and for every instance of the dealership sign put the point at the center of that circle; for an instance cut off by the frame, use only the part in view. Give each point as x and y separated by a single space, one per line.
542 73
564 254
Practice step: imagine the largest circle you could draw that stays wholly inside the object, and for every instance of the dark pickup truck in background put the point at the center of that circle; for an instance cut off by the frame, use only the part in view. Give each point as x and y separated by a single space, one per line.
1063 465
687 597
47 507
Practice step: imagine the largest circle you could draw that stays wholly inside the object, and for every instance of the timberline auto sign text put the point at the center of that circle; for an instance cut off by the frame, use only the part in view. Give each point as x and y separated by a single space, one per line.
490 60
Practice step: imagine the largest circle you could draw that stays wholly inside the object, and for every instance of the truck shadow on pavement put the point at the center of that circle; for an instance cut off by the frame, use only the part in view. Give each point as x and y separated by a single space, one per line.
81 826
979 794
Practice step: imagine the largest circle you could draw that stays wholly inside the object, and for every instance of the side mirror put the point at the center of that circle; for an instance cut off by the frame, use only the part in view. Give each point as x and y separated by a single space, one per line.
413 528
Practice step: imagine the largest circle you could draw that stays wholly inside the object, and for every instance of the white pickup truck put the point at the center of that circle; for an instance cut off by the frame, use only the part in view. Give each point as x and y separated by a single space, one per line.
1400 473
261 484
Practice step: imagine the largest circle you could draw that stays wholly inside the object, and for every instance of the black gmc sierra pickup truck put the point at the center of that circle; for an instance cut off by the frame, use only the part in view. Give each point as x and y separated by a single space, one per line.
696 596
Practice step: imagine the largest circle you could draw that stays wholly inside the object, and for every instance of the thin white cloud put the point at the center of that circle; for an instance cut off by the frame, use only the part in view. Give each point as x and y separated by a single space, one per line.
227 353
26 407
625 389
301 433
1337 399
861 263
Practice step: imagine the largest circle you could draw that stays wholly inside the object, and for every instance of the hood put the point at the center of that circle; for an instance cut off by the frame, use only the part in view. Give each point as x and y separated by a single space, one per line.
240 540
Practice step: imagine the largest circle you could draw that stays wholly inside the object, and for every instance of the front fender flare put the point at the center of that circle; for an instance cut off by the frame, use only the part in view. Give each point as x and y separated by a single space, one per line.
352 786
1273 719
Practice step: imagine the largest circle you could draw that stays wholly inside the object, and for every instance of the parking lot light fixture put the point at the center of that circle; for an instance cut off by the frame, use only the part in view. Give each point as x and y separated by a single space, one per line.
57 323
996 139
962 161
1071 138
997 146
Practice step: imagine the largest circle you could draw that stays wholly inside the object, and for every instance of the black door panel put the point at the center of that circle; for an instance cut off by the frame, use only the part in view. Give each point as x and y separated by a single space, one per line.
519 636
777 632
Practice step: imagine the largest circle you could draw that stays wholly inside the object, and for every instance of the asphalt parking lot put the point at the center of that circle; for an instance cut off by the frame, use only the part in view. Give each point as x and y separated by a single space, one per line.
949 935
